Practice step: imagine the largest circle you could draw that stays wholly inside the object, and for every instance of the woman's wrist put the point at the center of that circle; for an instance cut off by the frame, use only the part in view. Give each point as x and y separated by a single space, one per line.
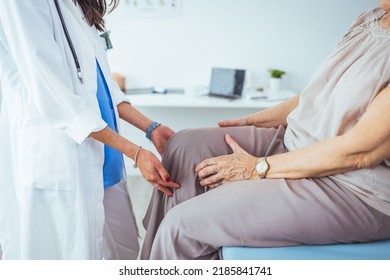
150 129
135 165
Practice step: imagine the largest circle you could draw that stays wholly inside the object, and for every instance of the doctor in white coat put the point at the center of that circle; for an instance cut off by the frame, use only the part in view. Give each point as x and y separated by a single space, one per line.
52 133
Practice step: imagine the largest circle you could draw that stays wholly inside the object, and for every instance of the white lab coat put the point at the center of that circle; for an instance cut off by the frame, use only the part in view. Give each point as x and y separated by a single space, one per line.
51 185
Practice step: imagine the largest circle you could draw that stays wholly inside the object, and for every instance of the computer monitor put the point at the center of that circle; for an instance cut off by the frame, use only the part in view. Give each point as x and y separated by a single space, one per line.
227 83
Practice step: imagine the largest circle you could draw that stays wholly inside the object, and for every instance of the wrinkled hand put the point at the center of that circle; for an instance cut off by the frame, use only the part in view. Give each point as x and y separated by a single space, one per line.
160 136
240 165
153 171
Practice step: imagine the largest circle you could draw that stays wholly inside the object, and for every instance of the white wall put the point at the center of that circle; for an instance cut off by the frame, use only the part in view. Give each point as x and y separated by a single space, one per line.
252 34
0 96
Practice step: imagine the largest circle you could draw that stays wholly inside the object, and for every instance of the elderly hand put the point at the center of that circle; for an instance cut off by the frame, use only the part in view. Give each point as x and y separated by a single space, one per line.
240 165
154 172
160 136
236 122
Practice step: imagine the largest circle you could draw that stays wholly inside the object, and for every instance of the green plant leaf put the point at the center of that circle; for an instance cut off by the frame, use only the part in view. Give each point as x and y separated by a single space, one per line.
276 73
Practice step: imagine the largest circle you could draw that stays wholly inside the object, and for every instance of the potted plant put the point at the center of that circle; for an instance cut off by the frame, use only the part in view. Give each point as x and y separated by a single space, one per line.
276 78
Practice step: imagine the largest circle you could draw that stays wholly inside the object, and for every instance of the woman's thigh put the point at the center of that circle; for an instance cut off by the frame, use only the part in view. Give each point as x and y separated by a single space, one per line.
268 213
190 147
262 213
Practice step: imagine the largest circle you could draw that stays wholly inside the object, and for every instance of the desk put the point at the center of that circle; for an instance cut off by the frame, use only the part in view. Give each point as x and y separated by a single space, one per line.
192 101
180 111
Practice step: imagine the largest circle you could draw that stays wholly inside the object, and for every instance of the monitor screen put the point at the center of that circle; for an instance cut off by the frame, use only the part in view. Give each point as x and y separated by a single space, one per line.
226 81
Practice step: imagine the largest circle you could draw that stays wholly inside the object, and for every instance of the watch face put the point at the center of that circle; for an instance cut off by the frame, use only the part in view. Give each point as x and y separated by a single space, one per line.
261 167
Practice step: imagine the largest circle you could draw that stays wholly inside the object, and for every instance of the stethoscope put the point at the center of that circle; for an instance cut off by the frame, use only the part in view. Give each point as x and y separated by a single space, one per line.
105 35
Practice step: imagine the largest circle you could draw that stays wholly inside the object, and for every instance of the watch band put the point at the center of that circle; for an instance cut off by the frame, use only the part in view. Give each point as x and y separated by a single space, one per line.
151 127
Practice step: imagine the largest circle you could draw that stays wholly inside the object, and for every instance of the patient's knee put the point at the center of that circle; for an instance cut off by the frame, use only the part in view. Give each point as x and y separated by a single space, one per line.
186 139
176 221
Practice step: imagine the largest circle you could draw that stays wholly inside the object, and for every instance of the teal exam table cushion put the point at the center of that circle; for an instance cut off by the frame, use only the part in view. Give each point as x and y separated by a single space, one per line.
379 250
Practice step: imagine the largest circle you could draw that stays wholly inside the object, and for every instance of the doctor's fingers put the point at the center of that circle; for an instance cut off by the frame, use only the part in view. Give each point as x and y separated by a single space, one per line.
165 190
165 179
156 181
151 174
165 187
154 172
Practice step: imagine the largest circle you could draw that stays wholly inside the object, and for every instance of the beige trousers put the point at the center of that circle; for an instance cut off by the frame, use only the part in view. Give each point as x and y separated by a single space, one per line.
120 228
195 224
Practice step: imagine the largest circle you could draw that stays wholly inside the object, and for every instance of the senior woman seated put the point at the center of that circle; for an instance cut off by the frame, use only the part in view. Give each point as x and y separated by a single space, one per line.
312 170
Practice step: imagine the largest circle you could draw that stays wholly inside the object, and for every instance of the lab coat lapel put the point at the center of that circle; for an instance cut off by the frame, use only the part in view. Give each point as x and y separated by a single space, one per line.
84 45
92 46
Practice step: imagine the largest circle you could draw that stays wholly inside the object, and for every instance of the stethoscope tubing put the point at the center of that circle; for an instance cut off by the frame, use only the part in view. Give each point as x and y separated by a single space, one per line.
70 43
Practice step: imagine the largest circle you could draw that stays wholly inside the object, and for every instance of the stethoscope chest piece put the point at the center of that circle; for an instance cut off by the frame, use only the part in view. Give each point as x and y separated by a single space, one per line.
106 36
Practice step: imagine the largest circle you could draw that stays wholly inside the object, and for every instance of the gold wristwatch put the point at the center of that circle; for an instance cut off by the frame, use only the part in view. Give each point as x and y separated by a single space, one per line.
262 167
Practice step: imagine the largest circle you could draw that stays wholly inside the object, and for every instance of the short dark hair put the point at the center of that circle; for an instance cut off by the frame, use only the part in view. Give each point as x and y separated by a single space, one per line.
95 10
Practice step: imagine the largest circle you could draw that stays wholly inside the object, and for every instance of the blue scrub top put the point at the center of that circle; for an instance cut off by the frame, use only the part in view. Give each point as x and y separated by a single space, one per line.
113 159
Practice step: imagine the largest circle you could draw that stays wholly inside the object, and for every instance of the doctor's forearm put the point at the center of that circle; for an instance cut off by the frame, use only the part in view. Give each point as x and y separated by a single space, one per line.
116 141
131 115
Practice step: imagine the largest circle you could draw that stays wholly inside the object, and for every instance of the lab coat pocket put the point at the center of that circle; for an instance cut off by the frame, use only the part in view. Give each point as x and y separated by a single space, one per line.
48 159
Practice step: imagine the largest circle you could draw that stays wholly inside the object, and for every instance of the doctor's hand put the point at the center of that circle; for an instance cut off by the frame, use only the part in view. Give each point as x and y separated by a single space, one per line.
240 165
154 172
160 136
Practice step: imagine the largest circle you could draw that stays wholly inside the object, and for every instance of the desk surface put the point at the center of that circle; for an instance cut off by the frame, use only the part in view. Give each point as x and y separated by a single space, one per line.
203 101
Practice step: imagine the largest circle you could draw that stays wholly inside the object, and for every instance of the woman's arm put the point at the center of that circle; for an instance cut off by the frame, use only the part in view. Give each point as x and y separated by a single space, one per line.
159 135
131 115
364 146
272 117
150 167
